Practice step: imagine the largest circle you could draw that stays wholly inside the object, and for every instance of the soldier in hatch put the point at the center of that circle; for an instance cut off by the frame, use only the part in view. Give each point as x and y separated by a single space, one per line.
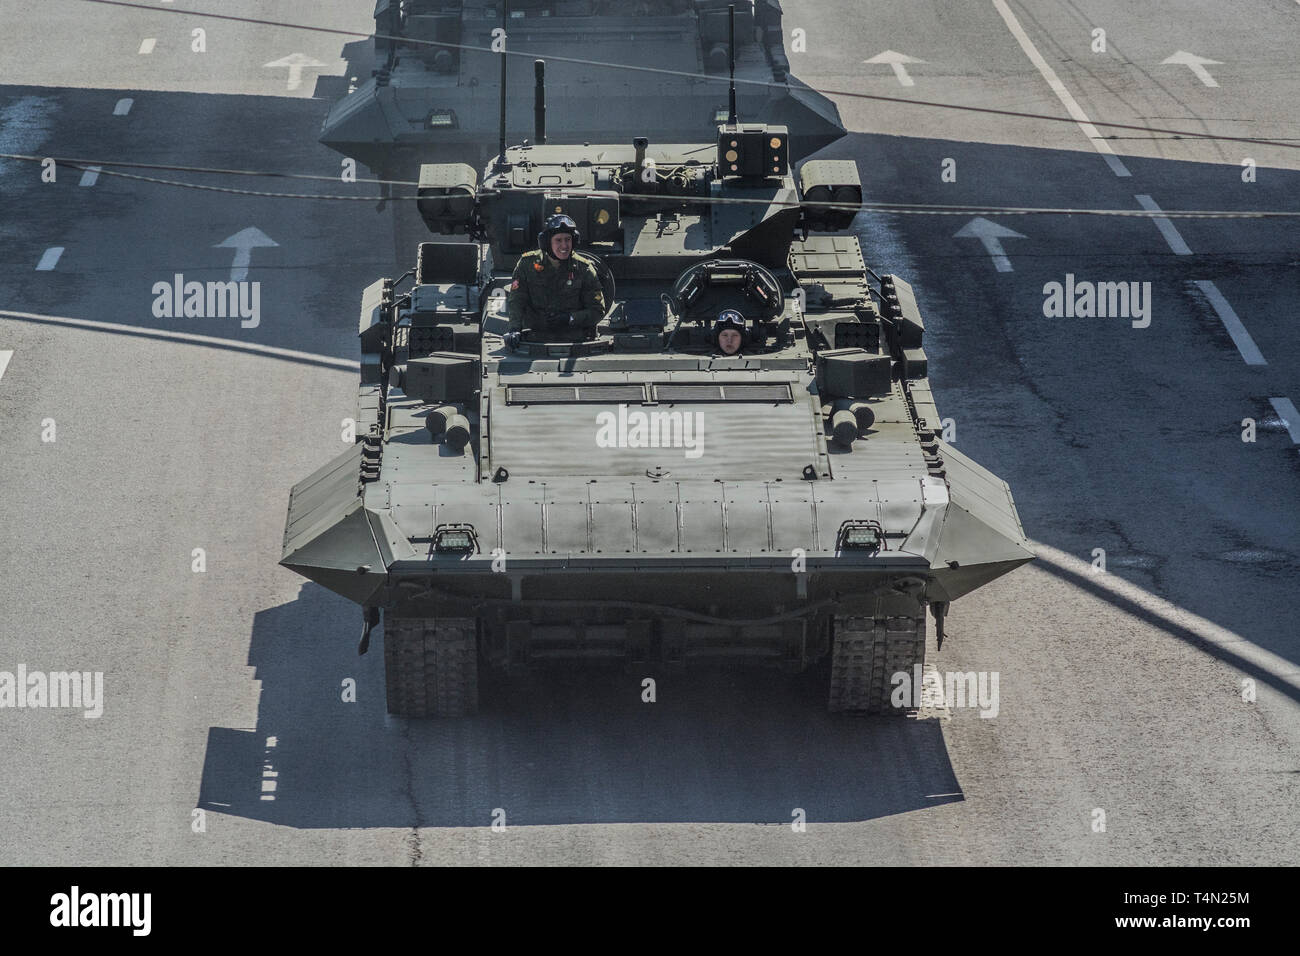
552 291
729 332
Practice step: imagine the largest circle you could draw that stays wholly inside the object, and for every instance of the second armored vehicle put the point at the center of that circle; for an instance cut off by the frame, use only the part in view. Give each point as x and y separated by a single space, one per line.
435 95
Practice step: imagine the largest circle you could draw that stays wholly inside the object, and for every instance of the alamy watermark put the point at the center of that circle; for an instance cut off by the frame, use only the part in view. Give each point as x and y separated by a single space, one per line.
959 688
208 300
634 428
56 690
1102 300
75 908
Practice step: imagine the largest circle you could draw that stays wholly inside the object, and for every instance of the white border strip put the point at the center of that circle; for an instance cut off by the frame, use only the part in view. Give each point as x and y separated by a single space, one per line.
184 337
1279 667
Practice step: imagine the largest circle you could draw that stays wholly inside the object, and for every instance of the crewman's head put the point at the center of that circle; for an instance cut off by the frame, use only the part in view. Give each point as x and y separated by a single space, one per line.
729 332
559 237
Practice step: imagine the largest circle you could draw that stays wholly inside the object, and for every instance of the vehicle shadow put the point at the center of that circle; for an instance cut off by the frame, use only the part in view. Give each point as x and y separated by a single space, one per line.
577 745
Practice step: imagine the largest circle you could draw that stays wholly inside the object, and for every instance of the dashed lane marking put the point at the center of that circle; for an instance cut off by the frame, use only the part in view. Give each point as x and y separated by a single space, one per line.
123 106
1071 105
7 354
90 175
146 46
49 259
1240 337
1165 226
1245 344
1284 407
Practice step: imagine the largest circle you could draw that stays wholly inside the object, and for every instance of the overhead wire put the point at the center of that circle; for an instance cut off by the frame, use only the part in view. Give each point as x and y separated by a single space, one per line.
914 209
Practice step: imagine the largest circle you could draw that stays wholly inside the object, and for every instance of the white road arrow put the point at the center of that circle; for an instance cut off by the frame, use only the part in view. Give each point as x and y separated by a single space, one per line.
244 242
896 60
1196 64
295 62
990 233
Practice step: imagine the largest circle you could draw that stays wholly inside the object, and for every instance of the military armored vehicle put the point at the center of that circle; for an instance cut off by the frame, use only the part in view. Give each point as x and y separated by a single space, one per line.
629 493
435 95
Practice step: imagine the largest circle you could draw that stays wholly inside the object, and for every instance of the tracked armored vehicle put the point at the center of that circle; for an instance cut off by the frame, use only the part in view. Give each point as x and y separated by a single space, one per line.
630 493
434 97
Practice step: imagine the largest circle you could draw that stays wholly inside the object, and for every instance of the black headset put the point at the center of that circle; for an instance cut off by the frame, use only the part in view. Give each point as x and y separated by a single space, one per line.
557 224
730 319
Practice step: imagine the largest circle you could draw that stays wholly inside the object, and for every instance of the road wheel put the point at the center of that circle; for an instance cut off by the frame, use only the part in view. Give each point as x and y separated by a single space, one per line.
865 654
431 666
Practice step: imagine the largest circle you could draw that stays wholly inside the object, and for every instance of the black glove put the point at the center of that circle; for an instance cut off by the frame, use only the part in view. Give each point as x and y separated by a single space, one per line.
560 320
512 340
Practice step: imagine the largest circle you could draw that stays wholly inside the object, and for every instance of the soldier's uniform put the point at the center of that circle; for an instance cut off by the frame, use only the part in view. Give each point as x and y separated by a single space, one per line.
543 288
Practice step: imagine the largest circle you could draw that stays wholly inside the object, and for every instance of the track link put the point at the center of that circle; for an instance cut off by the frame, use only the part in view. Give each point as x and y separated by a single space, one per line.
865 655
431 666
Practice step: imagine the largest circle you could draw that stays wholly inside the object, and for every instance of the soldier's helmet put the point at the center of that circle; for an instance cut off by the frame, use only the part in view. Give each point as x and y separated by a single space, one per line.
729 319
555 225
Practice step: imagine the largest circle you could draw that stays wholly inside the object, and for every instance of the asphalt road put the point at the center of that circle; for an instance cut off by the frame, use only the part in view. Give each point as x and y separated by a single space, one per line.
1162 692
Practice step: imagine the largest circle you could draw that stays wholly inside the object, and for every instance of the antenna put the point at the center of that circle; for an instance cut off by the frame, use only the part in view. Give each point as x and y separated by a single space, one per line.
539 102
731 31
505 14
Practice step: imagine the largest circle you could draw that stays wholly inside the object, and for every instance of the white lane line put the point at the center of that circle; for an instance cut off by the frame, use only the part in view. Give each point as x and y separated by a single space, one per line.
123 106
183 337
7 354
90 174
1165 226
146 46
1240 337
1284 407
49 259
1075 110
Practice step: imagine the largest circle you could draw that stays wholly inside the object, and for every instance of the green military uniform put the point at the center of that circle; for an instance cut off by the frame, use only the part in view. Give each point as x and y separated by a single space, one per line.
543 287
